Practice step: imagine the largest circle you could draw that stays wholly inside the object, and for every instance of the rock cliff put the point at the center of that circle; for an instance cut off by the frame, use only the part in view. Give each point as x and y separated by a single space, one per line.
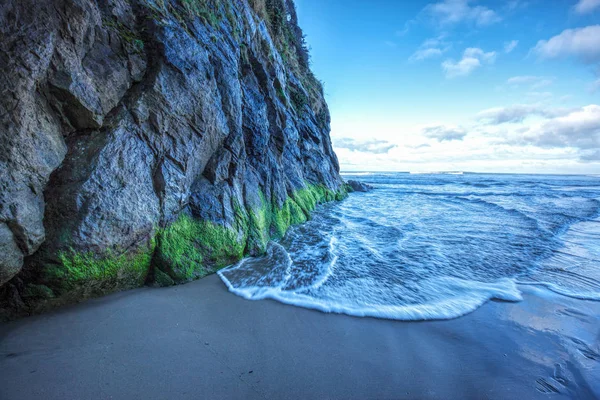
151 141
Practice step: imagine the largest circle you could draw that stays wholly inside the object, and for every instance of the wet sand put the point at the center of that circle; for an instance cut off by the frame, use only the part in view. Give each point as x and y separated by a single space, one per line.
199 341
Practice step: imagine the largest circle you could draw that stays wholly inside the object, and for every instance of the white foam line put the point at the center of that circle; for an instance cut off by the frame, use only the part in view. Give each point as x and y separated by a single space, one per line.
358 173
288 269
225 280
330 266
563 292
448 309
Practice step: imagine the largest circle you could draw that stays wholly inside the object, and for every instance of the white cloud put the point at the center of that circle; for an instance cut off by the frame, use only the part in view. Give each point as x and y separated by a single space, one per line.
590 155
443 133
423 54
517 113
595 86
462 68
583 43
565 98
434 42
542 83
472 59
448 12
552 140
389 43
586 6
522 79
534 82
578 129
364 146
474 52
431 48
510 46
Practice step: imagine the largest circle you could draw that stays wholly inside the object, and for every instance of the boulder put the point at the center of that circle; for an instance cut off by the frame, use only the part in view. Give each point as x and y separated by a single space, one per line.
358 186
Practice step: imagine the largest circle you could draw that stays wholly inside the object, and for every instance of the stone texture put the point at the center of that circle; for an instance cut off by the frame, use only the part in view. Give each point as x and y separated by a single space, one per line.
117 116
358 186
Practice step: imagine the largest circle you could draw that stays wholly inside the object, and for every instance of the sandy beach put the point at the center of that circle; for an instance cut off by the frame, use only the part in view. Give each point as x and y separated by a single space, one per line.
200 341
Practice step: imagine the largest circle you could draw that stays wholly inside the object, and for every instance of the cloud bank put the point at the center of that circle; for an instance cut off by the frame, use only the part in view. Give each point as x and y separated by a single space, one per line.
366 146
583 43
443 133
517 113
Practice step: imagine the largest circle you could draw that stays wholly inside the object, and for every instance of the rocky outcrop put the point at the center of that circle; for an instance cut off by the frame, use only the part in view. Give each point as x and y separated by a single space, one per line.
151 141
357 186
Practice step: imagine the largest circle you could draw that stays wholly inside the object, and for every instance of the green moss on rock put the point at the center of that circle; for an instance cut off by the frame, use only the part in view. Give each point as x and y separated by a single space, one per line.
177 252
343 192
309 197
272 222
190 249
161 279
289 214
33 291
259 222
111 270
186 249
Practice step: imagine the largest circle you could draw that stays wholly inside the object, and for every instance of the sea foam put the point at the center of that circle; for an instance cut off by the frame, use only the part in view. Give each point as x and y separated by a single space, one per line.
427 247
468 297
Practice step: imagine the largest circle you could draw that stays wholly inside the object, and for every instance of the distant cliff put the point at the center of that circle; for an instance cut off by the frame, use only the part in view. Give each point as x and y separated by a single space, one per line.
151 141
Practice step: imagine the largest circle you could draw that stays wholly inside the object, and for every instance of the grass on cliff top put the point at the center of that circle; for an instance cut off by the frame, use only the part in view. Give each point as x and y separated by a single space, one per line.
282 22
207 10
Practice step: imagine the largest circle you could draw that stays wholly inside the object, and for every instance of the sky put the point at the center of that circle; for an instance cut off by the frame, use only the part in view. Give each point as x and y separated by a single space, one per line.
460 85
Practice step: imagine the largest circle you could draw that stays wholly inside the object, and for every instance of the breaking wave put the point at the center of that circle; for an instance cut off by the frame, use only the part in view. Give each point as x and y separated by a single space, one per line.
423 247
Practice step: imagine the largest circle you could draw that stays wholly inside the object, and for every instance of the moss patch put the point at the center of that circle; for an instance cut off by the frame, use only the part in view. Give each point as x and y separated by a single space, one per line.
205 9
190 249
308 198
161 279
272 222
130 37
33 291
289 214
185 250
110 270
259 222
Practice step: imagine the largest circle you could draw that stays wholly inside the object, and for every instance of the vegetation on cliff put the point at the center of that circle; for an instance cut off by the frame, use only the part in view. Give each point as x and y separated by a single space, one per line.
157 141
189 249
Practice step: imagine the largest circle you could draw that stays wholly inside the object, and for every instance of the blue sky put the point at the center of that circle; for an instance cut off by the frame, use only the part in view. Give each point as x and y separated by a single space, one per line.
489 86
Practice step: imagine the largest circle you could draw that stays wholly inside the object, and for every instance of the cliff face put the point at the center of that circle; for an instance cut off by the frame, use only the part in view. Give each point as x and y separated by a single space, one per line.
151 141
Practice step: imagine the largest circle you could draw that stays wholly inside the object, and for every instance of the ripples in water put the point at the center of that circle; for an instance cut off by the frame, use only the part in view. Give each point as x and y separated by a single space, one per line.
434 246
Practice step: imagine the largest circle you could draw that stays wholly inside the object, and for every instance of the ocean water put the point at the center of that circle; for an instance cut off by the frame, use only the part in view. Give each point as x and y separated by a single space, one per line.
434 246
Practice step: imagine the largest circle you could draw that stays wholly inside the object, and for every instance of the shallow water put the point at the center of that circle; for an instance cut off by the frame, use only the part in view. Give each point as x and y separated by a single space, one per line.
434 246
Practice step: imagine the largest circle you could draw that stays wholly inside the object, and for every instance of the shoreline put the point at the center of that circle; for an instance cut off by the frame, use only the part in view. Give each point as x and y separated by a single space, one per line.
200 341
